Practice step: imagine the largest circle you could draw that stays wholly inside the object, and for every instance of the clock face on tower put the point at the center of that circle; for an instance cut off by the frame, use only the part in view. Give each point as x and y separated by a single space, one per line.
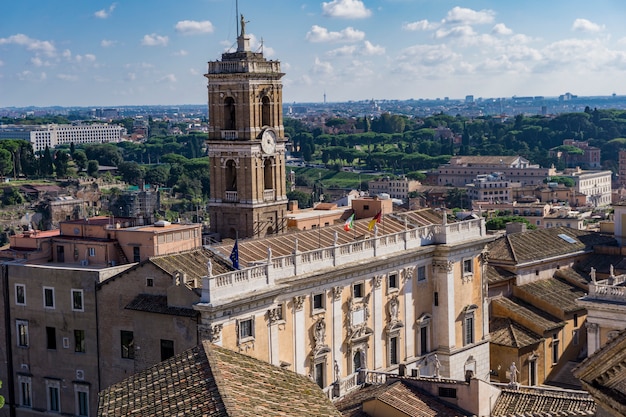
268 141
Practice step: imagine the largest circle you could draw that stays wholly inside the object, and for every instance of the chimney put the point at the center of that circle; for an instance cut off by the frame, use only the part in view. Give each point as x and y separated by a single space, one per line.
515 227
292 206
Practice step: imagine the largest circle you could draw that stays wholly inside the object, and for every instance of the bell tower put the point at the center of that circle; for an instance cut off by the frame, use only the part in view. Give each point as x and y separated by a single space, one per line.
246 143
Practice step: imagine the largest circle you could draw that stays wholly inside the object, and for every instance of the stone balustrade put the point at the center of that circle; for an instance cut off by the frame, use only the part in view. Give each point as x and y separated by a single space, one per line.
607 292
229 67
221 287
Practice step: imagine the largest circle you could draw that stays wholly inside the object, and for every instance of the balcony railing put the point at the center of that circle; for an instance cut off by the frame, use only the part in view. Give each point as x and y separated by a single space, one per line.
231 196
229 134
268 195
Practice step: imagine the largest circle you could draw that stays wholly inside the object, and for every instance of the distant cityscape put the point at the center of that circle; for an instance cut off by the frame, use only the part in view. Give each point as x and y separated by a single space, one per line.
468 107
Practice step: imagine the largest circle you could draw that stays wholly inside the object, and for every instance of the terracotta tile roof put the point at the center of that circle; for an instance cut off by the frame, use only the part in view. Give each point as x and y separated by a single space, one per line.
255 250
193 263
150 303
503 160
532 402
413 402
602 263
544 243
211 381
531 316
496 274
602 374
554 291
504 331
576 276
399 395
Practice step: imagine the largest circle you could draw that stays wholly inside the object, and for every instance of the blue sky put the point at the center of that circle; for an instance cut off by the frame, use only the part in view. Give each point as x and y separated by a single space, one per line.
131 52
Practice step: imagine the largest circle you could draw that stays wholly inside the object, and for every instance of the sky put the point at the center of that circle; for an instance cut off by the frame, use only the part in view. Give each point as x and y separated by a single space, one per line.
130 52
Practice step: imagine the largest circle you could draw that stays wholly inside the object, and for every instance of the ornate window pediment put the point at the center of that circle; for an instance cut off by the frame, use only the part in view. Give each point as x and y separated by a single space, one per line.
358 314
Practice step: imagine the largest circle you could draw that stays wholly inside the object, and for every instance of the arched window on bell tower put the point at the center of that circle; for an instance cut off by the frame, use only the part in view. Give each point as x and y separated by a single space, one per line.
230 121
268 175
231 176
265 112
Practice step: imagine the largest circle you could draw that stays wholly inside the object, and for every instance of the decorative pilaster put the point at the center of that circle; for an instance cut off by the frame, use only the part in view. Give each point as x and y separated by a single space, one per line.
299 335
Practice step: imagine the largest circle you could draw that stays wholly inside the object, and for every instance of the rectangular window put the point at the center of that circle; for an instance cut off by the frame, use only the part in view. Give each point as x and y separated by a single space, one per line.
319 374
393 350
20 294
54 399
555 349
128 344
246 329
575 320
149 282
318 301
167 349
447 392
25 391
357 290
79 341
92 251
136 254
421 273
77 300
51 338
392 281
436 298
423 340
467 266
22 333
82 401
468 331
48 297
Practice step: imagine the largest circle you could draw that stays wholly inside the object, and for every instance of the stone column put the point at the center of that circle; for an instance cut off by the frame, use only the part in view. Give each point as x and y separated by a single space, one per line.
337 326
299 335
409 311
274 317
378 313
593 337
443 314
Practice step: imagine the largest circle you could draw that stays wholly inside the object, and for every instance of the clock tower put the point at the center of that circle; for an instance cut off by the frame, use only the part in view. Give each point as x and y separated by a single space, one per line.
246 143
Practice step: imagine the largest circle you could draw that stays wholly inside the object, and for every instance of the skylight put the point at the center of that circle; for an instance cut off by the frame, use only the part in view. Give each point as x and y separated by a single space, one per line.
567 238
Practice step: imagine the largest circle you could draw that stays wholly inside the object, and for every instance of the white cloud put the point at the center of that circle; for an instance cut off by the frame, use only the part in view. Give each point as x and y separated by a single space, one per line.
67 77
420 25
194 71
182 52
501 29
105 43
67 54
354 50
346 9
464 16
370 49
27 75
455 32
169 78
194 27
30 44
105 13
584 25
321 67
321 34
155 40
131 76
1 63
36 61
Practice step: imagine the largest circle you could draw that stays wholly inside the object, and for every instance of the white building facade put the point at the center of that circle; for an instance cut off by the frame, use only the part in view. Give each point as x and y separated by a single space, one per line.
54 135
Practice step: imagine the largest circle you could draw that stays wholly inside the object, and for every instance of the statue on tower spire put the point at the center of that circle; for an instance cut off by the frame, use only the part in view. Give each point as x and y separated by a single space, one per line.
243 26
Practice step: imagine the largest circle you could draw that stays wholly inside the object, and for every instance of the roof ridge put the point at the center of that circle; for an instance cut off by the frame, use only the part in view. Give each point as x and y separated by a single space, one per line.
510 245
220 381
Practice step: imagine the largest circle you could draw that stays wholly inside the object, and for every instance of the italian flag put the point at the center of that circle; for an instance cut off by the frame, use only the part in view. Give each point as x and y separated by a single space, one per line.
349 224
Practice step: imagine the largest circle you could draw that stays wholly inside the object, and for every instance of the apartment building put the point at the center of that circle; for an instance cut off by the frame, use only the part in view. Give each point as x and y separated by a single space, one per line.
53 135
462 170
